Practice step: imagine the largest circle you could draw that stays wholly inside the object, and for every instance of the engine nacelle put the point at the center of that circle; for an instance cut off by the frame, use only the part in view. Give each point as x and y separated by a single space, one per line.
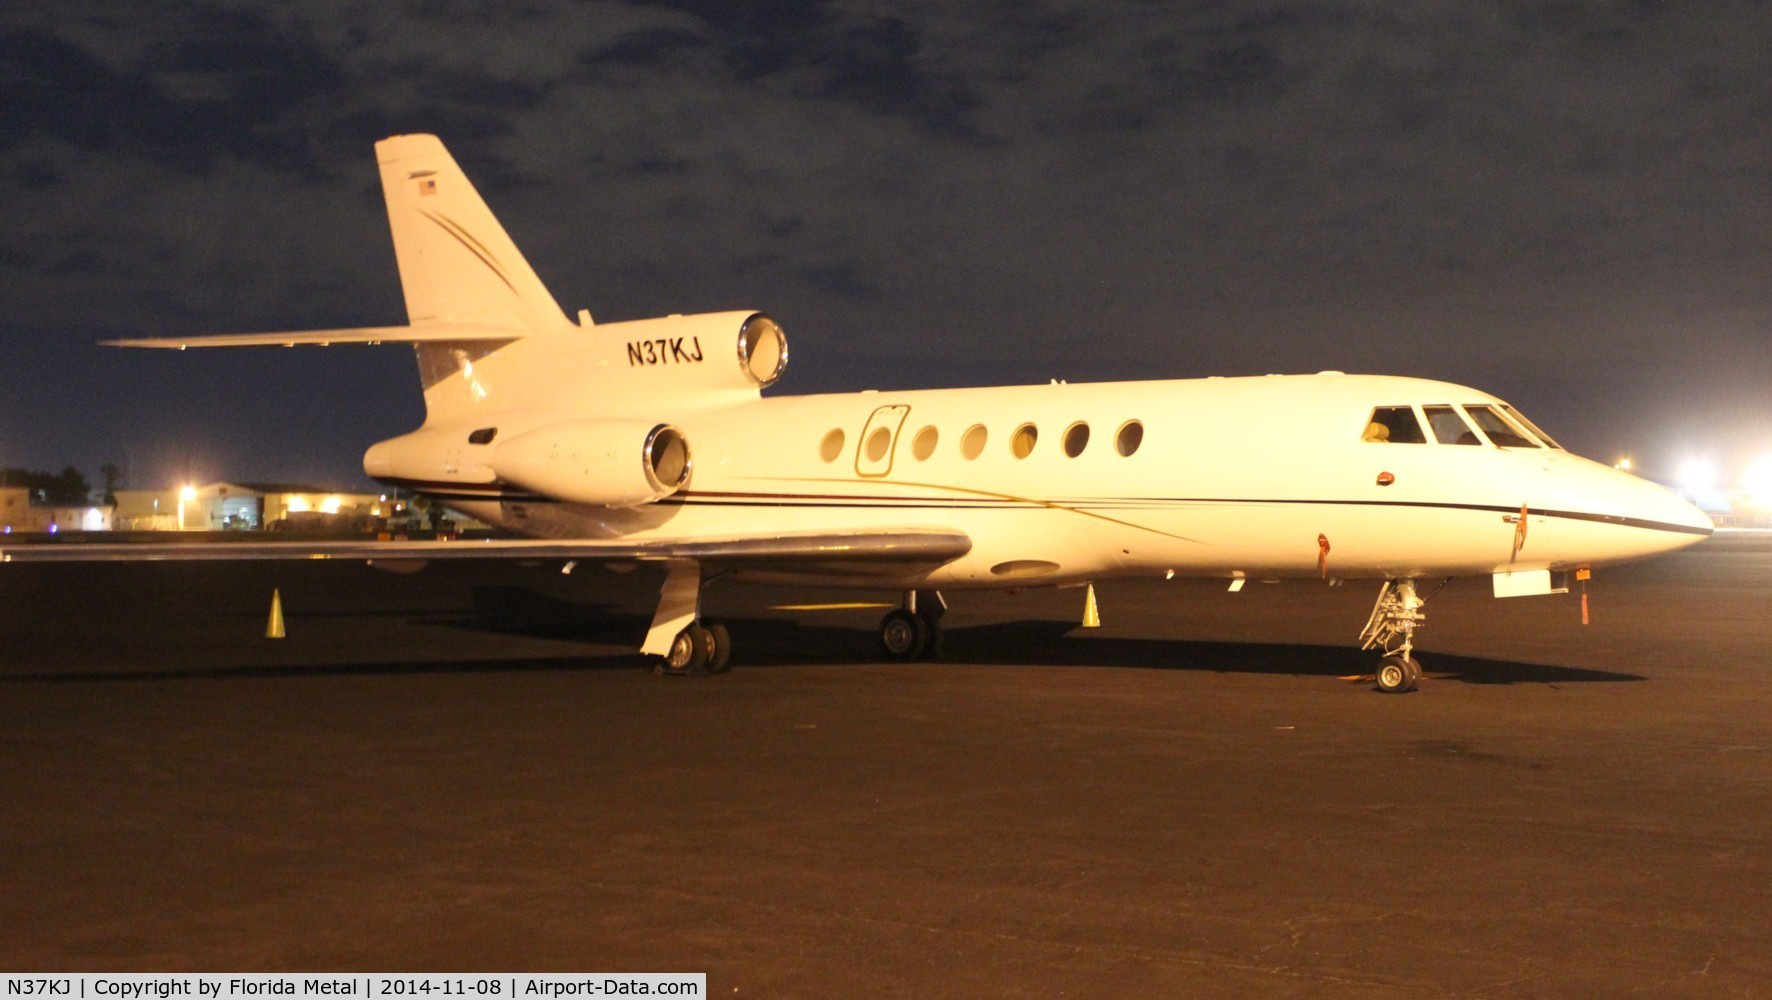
709 351
604 463
762 350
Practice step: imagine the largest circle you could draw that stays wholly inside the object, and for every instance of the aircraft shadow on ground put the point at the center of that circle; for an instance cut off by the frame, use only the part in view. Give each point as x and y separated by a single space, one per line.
774 643
765 642
1059 643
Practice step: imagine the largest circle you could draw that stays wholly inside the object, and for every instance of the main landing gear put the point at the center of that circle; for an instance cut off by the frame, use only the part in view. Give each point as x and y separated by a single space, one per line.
678 641
698 647
1391 629
914 630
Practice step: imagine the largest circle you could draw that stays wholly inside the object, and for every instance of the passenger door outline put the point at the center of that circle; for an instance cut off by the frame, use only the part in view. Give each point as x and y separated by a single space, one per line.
891 419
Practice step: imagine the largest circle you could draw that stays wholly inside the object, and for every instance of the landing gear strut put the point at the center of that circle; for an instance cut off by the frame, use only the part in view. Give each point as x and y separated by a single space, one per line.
1391 629
914 630
678 640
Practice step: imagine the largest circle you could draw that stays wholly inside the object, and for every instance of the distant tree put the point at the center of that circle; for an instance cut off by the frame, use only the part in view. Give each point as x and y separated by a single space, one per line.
70 488
111 473
67 488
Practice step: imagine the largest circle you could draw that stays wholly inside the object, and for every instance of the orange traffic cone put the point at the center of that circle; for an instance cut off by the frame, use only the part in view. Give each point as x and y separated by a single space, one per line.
274 627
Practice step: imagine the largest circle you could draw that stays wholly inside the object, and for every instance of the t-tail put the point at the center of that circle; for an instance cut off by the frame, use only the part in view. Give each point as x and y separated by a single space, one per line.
468 290
515 392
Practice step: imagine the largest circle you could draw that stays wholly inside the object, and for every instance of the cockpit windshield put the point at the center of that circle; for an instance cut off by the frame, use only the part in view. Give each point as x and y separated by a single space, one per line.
1463 424
1502 431
1449 427
1395 425
1537 432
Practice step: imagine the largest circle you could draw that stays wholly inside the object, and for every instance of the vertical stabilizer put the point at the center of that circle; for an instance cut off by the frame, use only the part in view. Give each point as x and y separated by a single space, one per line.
457 265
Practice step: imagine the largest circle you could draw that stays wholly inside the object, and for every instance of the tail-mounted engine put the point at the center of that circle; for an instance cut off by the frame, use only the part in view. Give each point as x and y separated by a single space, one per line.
604 463
744 351
762 350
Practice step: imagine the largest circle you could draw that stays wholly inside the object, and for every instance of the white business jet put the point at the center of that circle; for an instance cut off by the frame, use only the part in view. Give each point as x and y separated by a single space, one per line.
650 441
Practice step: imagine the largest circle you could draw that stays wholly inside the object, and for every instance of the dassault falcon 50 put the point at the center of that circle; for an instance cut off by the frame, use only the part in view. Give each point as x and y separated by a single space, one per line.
651 441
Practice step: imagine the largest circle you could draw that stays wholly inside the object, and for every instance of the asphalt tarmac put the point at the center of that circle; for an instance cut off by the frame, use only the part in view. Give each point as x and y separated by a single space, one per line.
465 769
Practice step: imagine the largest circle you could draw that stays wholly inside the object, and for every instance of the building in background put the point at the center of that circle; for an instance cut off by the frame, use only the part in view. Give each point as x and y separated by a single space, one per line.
225 506
18 513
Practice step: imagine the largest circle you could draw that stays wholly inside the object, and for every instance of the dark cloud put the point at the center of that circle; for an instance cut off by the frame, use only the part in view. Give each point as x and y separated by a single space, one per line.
219 85
1566 202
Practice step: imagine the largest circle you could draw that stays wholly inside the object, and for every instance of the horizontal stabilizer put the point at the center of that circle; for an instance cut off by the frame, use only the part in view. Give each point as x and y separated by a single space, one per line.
422 334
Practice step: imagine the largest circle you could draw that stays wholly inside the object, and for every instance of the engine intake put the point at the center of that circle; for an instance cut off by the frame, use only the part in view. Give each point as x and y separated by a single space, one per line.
762 350
603 463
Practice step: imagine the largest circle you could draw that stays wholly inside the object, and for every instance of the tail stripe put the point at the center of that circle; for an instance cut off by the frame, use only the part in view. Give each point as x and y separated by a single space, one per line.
473 246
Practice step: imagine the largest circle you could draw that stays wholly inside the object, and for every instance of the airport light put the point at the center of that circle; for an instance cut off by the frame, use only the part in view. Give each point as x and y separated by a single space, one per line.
185 495
1757 481
1697 475
1622 465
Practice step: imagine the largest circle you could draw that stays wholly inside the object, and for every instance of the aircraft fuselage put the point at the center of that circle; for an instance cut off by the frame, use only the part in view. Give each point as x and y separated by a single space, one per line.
1266 477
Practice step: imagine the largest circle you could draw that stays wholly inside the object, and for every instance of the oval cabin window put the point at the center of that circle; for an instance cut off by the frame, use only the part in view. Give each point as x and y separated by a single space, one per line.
1131 435
1076 438
1023 441
972 445
832 446
878 442
924 444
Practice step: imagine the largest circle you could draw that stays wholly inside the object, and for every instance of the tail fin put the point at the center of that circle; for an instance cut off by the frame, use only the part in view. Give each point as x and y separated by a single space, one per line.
471 297
457 265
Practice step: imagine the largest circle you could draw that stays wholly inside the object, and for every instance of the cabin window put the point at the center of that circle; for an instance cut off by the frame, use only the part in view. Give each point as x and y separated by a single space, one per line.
1394 424
1520 418
832 445
1448 426
1501 431
1129 437
972 445
1076 438
483 436
1022 442
878 442
924 444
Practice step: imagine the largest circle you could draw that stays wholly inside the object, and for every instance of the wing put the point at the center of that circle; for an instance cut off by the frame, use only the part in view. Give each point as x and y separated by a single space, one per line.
858 552
420 334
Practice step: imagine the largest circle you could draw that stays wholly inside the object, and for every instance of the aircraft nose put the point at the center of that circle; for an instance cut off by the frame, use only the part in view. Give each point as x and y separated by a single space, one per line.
1667 522
1686 515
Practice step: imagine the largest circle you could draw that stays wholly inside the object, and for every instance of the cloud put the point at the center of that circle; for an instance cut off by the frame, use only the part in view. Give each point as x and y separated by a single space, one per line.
966 191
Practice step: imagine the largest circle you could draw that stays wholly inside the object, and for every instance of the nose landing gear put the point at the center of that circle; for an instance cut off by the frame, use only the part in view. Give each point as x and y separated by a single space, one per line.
1391 628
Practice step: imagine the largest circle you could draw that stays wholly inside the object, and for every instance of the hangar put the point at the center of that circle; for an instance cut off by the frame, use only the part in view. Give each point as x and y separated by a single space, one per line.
225 506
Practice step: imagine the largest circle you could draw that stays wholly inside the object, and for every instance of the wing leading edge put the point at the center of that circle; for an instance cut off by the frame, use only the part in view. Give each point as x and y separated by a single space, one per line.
856 551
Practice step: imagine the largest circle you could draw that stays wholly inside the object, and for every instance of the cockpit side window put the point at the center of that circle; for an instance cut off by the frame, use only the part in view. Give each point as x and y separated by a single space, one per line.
1520 418
1502 431
1394 424
1448 426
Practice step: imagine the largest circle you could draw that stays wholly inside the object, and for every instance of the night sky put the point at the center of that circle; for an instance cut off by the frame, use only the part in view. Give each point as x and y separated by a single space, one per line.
1569 205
